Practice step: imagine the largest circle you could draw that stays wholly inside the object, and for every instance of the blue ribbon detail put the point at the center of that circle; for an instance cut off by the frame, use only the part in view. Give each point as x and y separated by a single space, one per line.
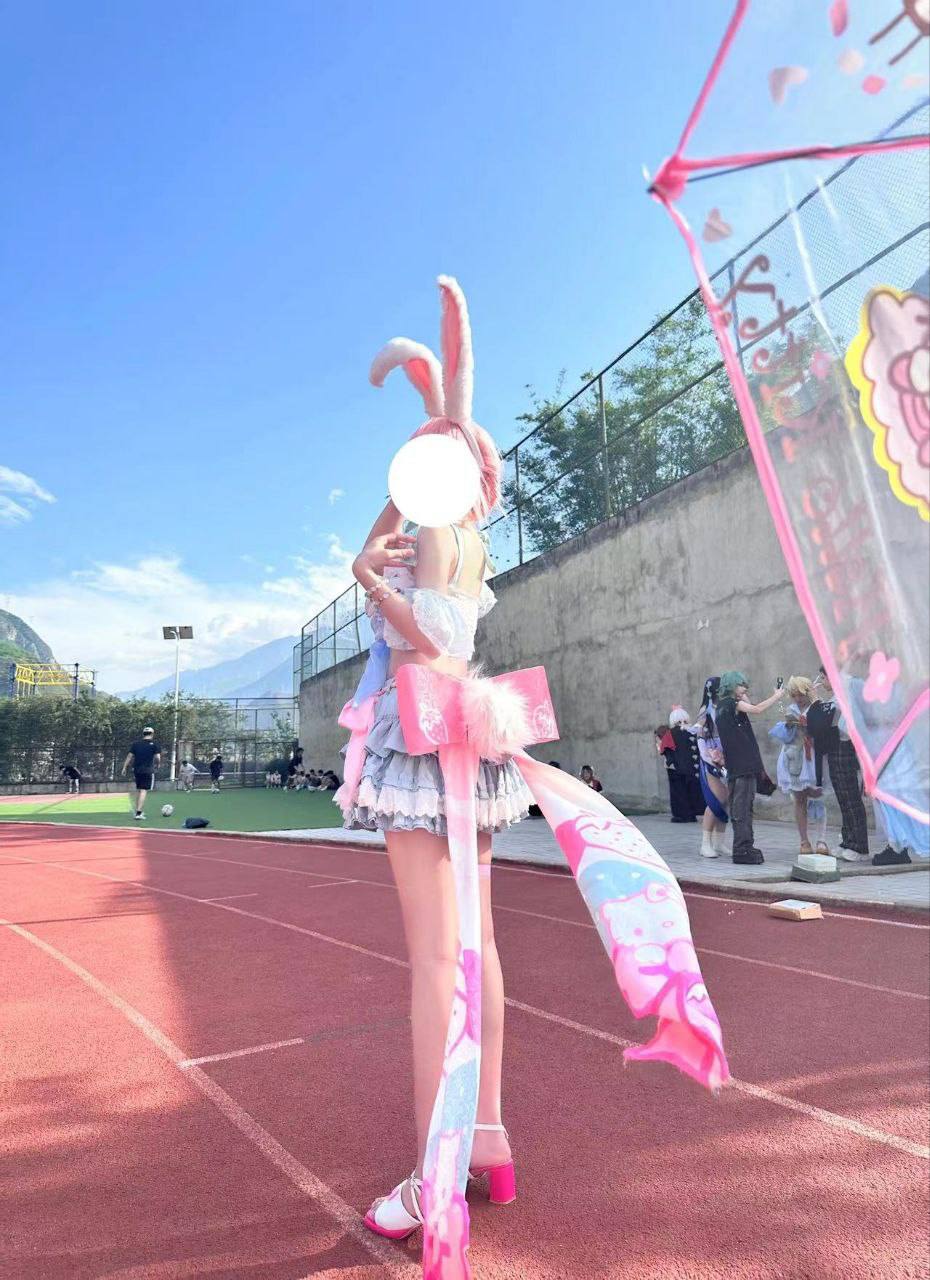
374 677
710 799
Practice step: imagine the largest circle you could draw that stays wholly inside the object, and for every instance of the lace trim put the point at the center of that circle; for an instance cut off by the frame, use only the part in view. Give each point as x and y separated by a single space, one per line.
492 811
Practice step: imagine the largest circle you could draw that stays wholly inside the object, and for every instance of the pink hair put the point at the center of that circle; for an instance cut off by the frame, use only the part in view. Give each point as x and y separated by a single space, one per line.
486 455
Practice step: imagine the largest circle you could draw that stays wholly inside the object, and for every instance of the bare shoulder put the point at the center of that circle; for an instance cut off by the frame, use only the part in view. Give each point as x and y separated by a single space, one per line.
437 544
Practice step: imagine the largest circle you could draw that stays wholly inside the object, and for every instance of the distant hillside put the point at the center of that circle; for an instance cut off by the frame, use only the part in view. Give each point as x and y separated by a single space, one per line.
276 683
19 642
262 672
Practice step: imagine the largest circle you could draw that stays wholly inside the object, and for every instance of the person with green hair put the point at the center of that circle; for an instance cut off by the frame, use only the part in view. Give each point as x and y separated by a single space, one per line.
743 759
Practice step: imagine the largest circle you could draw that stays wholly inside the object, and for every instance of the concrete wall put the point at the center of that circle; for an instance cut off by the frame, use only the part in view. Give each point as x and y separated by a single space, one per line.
629 619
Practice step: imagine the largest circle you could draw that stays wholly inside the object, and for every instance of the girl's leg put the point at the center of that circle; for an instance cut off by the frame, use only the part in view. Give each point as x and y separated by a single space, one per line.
423 875
708 824
800 814
489 1148
817 818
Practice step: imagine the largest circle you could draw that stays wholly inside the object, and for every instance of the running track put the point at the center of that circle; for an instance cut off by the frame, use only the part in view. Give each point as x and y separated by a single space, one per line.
205 1060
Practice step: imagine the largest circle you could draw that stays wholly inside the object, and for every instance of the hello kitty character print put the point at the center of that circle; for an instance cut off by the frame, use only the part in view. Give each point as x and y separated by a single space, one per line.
889 365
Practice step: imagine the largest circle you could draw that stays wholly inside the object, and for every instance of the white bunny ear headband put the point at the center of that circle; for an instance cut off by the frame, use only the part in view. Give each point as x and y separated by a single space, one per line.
447 388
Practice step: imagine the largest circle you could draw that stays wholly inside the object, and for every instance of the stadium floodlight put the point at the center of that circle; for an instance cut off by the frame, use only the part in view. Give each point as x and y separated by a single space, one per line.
177 634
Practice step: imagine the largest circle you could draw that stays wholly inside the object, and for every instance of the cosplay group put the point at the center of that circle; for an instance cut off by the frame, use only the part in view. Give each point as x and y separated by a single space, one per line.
715 770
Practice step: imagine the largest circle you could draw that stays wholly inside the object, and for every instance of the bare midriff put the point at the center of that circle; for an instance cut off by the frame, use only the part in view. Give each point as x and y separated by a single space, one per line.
448 666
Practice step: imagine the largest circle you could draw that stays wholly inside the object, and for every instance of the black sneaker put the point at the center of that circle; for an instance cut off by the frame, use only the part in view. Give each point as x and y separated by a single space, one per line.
891 857
748 858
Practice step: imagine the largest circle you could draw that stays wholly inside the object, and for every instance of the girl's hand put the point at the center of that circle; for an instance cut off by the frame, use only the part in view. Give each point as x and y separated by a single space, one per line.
386 550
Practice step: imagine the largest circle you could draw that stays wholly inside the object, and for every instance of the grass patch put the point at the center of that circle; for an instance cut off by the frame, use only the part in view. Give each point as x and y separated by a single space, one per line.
237 809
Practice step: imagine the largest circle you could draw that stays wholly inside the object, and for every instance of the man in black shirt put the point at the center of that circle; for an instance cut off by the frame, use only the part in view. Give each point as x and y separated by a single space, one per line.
216 770
743 759
145 756
841 755
73 777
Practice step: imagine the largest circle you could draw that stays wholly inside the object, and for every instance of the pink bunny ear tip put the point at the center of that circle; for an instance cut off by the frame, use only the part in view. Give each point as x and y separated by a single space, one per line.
420 366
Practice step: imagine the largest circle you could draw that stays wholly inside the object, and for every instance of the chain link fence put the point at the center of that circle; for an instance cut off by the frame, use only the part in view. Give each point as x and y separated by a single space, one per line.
249 733
663 409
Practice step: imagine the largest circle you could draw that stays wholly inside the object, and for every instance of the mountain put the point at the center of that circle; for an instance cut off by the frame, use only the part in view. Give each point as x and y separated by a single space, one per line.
262 672
18 640
274 683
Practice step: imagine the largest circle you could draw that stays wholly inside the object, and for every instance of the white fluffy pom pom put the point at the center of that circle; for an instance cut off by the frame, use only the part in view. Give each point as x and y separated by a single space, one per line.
497 717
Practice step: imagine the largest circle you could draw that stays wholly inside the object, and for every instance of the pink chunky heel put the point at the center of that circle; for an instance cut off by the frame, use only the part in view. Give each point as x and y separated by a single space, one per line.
502 1183
502 1178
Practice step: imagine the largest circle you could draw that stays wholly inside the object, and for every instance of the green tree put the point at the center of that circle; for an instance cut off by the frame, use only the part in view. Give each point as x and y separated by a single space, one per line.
668 410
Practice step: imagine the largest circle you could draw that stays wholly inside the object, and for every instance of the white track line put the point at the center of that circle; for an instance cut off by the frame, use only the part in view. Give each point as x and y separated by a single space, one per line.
296 1173
729 955
498 866
830 1118
240 1053
226 897
582 924
791 1104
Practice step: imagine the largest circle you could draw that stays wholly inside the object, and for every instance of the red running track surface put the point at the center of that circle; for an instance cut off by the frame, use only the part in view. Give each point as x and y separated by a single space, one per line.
127 954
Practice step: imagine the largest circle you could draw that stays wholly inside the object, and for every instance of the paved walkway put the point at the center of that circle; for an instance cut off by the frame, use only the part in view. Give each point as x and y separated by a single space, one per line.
679 844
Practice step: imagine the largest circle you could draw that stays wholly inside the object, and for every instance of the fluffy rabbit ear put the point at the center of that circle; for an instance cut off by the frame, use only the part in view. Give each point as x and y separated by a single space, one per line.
457 362
420 366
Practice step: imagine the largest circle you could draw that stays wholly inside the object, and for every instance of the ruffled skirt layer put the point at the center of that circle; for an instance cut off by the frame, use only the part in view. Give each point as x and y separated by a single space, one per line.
401 792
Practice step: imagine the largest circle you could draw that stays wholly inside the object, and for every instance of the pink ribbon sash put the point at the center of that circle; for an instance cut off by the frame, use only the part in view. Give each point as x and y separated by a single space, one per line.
633 898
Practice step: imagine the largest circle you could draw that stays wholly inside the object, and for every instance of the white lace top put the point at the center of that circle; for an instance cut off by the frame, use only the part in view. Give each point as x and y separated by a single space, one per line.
450 620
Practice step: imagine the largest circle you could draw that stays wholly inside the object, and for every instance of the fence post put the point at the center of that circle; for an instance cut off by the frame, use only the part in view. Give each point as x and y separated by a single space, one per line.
516 480
731 280
602 409
334 631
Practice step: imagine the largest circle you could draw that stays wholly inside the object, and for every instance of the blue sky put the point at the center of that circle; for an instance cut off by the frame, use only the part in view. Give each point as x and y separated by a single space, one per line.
215 214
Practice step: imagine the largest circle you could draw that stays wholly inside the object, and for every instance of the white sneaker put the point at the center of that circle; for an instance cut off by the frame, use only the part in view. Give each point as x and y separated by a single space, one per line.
139 817
708 849
849 855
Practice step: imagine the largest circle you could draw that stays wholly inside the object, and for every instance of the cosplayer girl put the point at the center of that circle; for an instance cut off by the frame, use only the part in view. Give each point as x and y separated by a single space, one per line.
680 748
437 761
712 772
797 775
426 596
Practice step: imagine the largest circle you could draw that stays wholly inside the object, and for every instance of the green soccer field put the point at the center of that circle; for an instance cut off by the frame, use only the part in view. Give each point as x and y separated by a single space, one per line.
238 809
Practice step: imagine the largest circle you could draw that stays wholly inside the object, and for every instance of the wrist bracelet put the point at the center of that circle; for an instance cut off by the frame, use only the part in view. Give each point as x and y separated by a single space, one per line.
378 592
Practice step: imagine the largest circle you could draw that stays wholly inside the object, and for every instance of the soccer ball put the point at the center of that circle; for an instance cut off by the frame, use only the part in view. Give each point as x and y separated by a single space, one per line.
167 810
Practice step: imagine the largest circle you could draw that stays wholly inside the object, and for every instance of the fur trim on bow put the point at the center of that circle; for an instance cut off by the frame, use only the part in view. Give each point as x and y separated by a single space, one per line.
497 717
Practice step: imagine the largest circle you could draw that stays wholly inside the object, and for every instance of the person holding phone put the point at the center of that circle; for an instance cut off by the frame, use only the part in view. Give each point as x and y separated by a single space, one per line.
742 757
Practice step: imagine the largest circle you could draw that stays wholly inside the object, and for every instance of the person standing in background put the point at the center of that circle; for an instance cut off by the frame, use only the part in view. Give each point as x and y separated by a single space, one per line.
682 759
797 773
145 757
216 770
588 778
742 758
834 746
712 773
73 778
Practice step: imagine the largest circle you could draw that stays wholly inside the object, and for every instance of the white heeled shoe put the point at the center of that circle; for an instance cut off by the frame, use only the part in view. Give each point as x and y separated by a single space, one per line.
390 1217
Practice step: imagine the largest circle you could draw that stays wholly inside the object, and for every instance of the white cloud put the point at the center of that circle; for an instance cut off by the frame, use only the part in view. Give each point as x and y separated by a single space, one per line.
110 616
11 512
335 495
25 488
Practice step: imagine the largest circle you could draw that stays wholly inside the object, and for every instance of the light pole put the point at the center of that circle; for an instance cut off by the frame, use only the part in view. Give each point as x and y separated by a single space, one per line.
177 634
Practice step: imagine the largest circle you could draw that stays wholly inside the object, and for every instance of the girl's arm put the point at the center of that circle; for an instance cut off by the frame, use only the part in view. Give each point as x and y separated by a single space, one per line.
435 550
390 521
756 709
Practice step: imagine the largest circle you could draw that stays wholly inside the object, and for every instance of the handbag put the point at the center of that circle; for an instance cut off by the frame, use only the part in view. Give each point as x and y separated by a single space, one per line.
764 784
